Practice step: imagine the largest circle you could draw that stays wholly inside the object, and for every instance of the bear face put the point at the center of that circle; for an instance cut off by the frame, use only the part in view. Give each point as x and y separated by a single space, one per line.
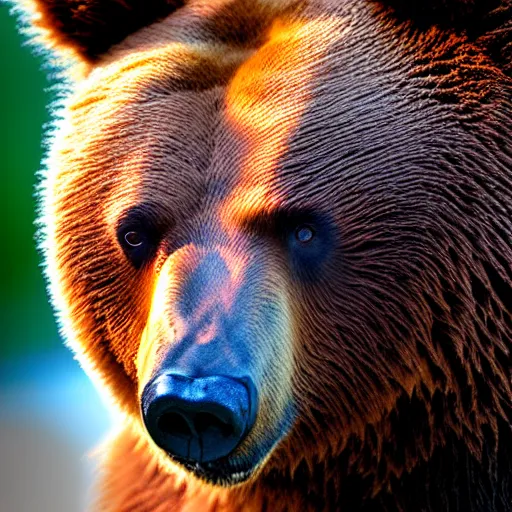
308 203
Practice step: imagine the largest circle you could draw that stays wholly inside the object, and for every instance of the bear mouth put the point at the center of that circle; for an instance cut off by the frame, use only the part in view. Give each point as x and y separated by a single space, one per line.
221 472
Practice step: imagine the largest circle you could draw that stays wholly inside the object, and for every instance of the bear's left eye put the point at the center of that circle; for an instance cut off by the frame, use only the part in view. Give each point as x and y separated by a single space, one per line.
304 234
310 240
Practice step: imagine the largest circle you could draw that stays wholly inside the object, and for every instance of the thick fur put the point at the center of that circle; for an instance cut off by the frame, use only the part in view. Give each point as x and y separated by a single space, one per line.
383 361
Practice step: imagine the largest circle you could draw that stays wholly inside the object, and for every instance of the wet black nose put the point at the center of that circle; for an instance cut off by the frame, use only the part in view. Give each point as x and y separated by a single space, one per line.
198 419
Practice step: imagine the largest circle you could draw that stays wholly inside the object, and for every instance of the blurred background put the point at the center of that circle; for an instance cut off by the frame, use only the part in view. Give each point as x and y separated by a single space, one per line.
50 415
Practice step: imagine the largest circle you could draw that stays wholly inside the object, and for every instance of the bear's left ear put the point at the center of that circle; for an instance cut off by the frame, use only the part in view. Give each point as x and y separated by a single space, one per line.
487 22
90 27
495 33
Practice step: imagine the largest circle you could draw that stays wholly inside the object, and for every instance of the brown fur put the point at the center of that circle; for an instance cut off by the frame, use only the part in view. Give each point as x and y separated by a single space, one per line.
221 116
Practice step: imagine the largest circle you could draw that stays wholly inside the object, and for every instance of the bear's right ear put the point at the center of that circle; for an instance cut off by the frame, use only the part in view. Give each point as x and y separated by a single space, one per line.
90 27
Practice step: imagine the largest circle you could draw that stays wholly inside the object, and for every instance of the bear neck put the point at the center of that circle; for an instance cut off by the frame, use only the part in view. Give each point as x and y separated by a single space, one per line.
430 453
453 477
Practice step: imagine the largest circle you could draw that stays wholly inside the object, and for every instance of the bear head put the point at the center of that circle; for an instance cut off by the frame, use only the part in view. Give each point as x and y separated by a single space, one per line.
278 231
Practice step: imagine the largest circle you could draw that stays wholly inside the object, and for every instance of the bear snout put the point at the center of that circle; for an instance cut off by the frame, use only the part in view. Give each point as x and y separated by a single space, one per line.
198 419
217 328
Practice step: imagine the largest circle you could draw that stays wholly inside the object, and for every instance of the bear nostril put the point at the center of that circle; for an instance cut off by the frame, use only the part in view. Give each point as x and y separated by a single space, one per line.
204 422
174 424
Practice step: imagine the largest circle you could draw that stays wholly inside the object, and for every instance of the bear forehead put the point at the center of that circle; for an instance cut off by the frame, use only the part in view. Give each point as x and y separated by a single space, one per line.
251 127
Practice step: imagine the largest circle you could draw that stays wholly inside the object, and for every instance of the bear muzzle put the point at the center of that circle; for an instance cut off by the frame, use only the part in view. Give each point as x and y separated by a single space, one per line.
214 363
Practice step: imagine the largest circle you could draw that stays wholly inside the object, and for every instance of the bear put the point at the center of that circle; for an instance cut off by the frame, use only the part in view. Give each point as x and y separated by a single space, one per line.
277 235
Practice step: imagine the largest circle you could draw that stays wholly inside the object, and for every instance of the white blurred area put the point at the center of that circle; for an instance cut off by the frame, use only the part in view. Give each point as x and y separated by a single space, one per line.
51 419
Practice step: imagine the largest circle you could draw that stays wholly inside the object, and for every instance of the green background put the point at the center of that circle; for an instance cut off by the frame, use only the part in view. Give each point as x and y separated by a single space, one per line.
27 320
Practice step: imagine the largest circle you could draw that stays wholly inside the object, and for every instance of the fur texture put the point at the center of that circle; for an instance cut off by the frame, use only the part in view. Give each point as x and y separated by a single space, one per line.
381 352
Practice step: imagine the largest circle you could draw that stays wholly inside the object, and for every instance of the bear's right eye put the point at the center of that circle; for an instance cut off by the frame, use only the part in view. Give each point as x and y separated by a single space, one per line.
138 246
133 238
138 235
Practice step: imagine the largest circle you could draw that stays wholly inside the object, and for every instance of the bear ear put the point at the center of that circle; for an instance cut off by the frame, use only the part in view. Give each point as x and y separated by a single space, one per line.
90 27
496 35
487 22
448 12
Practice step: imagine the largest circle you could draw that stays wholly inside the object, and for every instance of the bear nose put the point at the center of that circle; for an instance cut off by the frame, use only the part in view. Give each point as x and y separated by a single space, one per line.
198 419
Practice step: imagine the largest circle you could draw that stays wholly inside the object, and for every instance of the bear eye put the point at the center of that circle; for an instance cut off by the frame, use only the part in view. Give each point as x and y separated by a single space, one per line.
139 234
304 234
311 239
139 245
133 238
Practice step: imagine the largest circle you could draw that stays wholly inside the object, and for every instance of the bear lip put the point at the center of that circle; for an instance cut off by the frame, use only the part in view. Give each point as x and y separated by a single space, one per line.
218 472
